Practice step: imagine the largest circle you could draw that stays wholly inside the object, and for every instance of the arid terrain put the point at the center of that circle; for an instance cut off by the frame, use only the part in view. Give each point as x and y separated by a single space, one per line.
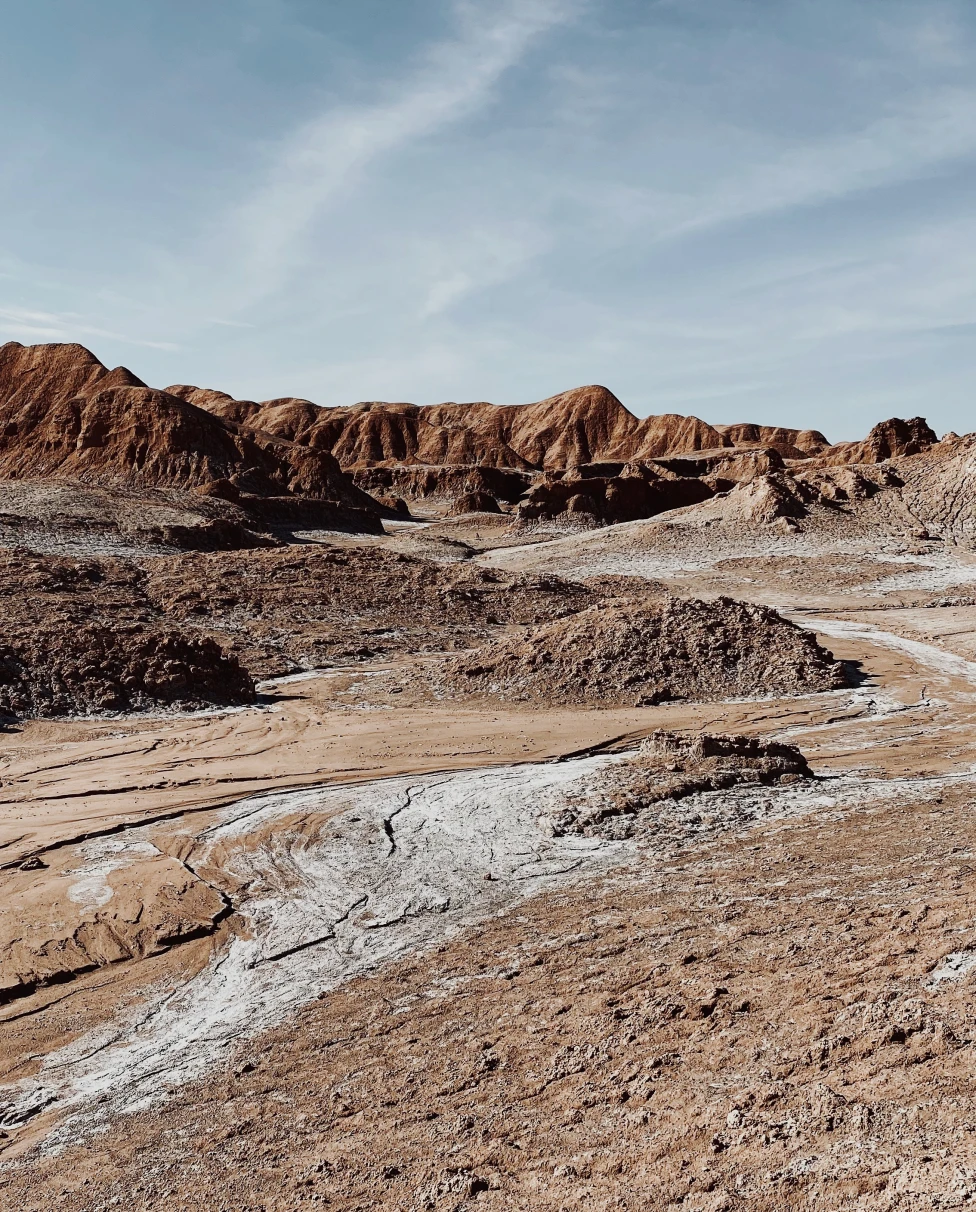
479 806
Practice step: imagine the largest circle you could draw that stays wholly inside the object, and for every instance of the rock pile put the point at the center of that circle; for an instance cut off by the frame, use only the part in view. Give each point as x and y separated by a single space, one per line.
50 672
282 609
627 653
670 766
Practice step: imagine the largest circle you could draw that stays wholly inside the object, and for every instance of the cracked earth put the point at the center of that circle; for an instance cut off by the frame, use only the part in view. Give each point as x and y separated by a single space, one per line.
328 951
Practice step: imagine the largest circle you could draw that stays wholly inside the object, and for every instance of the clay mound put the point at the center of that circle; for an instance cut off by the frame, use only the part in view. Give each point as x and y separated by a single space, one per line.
418 483
790 443
628 652
671 766
473 502
50 671
64 414
889 439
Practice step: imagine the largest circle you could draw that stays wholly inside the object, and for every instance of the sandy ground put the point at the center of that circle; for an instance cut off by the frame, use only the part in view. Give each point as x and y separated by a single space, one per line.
418 997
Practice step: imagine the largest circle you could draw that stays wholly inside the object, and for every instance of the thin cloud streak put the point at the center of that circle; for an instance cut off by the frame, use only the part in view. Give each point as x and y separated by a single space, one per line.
326 156
52 326
920 139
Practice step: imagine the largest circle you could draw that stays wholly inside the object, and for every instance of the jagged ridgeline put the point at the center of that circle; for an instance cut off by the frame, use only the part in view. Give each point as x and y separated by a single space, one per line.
234 470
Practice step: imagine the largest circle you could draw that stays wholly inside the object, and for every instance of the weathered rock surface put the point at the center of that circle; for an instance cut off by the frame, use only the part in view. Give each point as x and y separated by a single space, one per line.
628 652
640 492
473 502
938 488
891 439
421 483
791 443
671 766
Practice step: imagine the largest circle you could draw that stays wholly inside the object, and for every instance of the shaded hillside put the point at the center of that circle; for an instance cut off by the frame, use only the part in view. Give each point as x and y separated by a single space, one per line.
63 414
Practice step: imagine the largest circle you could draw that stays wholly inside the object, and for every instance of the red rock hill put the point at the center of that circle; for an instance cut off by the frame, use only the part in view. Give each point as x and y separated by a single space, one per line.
64 414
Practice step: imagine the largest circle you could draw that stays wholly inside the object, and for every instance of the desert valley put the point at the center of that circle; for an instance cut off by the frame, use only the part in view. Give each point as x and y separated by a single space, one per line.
480 806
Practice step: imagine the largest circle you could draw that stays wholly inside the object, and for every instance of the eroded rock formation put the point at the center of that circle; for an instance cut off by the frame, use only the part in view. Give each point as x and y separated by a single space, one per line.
63 414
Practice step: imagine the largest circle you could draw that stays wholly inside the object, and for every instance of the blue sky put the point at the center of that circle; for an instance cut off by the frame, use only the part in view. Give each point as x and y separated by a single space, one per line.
742 209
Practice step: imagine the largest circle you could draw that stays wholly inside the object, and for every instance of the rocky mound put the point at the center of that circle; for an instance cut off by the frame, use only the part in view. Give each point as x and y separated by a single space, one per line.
641 491
670 766
306 607
49 671
891 439
69 516
473 502
286 608
435 484
627 653
64 414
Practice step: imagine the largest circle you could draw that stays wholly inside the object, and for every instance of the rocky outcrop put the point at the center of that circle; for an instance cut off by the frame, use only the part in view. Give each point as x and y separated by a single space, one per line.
725 467
938 489
672 766
473 502
640 491
65 415
420 483
891 439
790 443
643 652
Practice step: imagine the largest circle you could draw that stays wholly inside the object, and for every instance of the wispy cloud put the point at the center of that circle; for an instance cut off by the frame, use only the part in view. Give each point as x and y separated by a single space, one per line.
327 155
478 257
39 326
915 139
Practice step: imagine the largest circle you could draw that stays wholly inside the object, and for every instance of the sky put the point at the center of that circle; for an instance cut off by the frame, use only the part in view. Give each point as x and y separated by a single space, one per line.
752 210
